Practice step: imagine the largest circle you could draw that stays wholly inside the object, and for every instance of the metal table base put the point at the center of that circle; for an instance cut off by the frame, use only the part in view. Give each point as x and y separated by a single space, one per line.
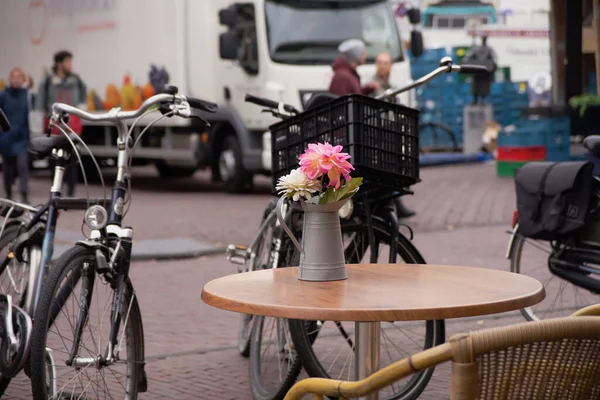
366 352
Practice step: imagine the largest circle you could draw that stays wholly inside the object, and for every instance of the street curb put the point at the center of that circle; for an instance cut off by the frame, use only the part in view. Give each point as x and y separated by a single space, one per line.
178 256
162 249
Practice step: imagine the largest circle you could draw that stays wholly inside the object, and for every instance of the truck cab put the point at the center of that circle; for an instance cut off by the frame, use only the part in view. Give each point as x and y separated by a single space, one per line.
283 50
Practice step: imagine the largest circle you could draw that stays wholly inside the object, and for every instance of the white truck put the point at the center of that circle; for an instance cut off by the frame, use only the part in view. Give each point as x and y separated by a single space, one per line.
218 50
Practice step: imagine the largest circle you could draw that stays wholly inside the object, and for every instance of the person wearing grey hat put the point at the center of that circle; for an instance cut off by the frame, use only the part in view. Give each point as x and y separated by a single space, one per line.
345 79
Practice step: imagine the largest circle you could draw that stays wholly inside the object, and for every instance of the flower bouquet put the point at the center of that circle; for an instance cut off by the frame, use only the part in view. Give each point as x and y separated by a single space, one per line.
321 186
322 166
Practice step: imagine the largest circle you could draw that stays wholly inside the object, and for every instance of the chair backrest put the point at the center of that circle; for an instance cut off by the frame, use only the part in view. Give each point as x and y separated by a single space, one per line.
594 309
550 359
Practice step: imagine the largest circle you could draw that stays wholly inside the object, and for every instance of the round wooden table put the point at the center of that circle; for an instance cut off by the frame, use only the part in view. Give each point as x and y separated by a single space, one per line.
373 293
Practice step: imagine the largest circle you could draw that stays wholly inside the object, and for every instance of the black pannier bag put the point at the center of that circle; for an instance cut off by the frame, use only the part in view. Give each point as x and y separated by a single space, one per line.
553 198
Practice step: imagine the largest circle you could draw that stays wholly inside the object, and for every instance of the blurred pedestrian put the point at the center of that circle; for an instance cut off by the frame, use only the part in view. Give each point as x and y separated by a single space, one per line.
484 56
383 67
63 86
345 79
14 101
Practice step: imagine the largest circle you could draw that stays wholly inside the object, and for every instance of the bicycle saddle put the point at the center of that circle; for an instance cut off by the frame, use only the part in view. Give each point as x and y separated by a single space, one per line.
592 143
42 146
319 99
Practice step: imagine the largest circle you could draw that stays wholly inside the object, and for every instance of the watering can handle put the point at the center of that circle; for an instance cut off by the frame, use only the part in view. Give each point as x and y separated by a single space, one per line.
285 227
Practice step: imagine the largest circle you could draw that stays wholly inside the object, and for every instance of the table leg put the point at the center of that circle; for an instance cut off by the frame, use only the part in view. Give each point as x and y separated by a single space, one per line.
366 352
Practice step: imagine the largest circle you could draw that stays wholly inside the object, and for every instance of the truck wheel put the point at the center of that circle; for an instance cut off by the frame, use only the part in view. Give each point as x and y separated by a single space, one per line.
166 171
236 178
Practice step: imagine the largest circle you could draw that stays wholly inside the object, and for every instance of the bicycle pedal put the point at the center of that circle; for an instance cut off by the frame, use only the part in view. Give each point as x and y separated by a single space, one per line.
237 254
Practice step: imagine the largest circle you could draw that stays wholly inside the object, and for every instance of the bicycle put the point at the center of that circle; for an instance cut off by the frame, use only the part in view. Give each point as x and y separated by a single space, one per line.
569 254
441 135
26 249
103 257
368 221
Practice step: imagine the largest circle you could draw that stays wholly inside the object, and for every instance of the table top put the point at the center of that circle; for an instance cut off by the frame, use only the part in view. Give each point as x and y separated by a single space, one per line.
376 292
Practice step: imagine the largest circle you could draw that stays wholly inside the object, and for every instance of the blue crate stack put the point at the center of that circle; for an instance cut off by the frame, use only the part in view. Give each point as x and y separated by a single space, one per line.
444 98
551 132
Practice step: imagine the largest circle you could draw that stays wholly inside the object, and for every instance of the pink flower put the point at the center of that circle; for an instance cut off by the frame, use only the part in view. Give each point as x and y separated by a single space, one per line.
322 158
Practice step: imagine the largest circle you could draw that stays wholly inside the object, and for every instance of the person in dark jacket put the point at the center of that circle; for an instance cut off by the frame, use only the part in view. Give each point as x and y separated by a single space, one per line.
13 144
347 81
64 86
345 78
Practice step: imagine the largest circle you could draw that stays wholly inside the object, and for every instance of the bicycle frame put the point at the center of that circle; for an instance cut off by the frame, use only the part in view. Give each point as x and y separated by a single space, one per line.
38 226
113 243
117 239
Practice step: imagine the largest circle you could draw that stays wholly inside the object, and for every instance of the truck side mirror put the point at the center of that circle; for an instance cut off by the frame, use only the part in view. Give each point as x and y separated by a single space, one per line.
414 16
228 16
416 43
228 45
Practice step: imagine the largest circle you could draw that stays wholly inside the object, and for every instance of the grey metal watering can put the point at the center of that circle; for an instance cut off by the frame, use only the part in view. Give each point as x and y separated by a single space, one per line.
322 248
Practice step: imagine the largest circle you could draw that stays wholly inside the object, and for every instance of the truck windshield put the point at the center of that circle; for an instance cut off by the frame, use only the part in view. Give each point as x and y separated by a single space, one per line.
309 31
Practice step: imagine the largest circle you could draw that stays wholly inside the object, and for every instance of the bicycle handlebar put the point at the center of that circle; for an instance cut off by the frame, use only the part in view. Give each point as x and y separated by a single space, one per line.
116 114
261 101
202 105
473 69
446 66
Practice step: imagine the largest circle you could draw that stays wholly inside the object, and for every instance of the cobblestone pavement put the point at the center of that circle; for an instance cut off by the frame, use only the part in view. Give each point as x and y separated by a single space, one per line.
448 197
463 212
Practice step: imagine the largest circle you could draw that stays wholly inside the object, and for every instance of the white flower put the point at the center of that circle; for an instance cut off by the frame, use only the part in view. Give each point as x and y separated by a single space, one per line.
297 185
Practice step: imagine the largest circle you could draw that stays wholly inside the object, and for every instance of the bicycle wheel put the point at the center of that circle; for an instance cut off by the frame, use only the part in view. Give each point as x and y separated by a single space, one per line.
272 378
530 257
14 280
73 281
435 136
14 276
8 285
260 259
320 344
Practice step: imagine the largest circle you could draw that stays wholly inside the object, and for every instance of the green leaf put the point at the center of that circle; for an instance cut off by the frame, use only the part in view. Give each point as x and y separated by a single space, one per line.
348 189
328 196
583 101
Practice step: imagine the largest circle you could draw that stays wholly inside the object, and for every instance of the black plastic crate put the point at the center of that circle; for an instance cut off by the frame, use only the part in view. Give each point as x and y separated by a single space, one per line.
382 139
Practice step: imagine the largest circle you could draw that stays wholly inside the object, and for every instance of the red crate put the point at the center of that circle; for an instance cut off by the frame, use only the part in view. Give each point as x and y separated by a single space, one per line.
530 153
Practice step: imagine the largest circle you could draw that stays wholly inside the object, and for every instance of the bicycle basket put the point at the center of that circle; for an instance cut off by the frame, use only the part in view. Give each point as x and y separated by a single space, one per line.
382 139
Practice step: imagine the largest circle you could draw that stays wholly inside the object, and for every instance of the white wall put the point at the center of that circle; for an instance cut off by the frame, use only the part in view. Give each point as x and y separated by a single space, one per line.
108 39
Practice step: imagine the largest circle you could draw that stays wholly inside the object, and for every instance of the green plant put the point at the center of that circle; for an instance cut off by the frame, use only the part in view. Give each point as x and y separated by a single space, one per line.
583 101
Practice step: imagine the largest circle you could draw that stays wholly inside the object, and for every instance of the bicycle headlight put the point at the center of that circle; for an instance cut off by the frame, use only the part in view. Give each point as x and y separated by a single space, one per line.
96 217
346 210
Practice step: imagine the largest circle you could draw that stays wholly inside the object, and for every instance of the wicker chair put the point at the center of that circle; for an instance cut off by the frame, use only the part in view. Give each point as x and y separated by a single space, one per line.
589 310
550 359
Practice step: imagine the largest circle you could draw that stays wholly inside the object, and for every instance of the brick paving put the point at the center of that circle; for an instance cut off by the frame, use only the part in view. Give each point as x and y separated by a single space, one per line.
448 197
463 212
